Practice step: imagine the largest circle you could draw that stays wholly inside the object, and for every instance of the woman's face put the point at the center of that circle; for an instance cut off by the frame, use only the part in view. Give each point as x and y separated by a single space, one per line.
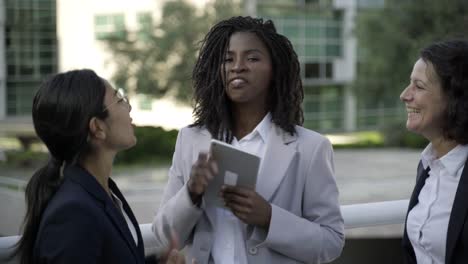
118 124
425 101
248 69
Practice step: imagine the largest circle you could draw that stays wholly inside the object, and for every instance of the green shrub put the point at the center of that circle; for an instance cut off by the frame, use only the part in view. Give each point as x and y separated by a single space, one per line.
396 135
363 139
153 143
25 159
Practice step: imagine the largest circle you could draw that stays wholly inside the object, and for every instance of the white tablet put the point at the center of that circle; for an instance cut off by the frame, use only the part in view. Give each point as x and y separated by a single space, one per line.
235 167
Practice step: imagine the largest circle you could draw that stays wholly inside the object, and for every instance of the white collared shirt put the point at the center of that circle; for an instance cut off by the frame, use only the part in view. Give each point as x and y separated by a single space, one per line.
130 225
427 222
229 231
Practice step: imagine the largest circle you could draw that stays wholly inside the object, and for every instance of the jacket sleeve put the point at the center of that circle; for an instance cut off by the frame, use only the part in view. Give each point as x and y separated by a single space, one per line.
177 214
318 235
70 235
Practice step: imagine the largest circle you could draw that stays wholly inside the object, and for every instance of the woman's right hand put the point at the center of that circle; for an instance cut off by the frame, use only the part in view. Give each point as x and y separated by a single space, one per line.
175 257
203 171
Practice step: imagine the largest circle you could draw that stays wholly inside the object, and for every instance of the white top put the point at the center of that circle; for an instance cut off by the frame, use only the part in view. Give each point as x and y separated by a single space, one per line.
428 221
229 232
130 225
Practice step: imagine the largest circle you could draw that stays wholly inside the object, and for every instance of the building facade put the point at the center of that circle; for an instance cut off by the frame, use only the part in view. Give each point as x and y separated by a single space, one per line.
30 50
42 37
322 33
28 53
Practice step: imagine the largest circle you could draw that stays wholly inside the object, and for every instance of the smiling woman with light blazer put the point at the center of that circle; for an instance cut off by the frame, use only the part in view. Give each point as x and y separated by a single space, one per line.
436 99
248 93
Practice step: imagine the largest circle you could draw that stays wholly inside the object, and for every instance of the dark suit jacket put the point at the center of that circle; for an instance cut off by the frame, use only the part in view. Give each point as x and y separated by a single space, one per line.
457 233
81 224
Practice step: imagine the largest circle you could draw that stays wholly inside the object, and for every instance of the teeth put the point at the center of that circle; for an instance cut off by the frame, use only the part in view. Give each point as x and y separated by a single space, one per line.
412 110
237 82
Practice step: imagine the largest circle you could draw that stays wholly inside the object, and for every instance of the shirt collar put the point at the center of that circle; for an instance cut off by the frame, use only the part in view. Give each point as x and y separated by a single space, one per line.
262 129
117 200
427 156
264 126
452 161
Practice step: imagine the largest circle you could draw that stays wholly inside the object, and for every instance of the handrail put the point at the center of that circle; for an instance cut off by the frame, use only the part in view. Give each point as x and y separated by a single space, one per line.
374 214
355 216
16 184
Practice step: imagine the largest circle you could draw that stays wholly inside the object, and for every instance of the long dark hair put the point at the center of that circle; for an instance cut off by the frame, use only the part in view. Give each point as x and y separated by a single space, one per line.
62 109
450 61
212 107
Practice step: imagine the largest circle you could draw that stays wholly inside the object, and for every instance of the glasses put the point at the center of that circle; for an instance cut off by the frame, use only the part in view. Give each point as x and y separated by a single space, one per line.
121 97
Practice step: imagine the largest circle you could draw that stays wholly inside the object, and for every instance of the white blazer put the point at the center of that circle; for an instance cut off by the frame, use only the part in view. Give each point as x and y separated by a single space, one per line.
296 178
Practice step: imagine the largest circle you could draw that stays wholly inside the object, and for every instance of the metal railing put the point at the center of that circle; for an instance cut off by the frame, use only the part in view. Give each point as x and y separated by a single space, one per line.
355 216
13 184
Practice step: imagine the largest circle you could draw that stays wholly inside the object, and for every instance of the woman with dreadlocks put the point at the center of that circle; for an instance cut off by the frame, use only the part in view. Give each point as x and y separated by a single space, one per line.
248 93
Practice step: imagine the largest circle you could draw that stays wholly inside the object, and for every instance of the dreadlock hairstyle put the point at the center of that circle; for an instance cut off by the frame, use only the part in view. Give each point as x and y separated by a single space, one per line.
212 106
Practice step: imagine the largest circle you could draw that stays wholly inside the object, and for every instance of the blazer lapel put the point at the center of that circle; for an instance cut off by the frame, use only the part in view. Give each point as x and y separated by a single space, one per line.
202 143
119 222
90 184
420 181
458 214
421 177
278 156
132 218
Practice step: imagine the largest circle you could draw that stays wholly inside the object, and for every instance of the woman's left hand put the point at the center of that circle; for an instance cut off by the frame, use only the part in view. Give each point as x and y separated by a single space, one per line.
247 205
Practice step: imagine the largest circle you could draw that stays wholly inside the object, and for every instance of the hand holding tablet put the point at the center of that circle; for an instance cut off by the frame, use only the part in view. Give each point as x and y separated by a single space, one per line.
235 168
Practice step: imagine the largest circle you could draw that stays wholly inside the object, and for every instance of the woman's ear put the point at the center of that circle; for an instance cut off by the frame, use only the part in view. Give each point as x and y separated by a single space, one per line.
97 129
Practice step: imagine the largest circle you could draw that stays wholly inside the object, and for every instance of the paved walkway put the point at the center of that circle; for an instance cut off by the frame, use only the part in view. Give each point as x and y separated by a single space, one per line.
362 176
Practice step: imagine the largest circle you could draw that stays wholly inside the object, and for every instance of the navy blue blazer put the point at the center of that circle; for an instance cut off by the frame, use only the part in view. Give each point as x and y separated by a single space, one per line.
456 251
81 224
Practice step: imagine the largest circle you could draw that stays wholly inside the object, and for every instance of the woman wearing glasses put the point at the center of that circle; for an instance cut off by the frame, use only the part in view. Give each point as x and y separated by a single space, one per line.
75 211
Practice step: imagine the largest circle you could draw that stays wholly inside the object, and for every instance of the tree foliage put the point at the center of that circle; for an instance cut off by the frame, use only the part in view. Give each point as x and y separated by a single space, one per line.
158 58
390 38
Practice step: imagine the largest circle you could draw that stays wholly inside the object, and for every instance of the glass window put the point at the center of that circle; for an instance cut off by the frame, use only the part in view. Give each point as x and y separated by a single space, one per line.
312 70
31 48
311 2
11 70
328 70
145 21
100 20
333 32
109 26
333 50
323 108
312 32
46 69
315 70
314 51
292 31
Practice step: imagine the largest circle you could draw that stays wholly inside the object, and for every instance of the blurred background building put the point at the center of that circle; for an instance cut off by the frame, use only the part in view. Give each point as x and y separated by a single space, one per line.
42 37
28 52
355 55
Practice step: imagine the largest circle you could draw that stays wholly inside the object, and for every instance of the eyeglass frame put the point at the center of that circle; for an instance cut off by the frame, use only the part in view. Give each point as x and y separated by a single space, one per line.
120 93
